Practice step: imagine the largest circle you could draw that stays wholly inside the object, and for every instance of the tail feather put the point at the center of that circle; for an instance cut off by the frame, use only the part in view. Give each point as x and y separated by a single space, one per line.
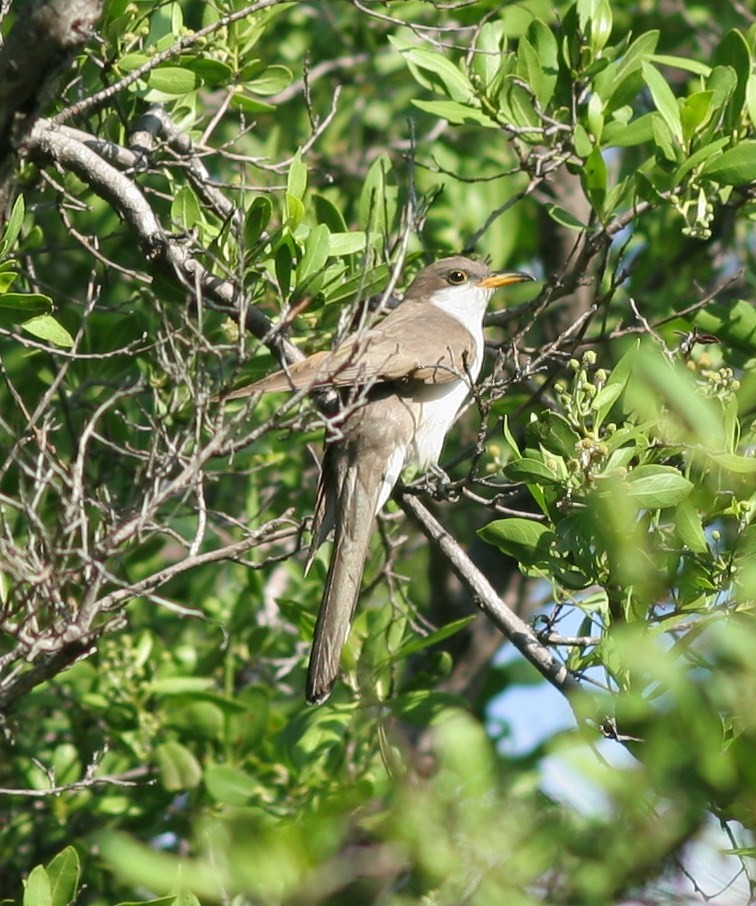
356 507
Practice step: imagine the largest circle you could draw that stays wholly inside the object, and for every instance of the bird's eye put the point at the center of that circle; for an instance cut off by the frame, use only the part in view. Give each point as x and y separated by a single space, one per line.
456 277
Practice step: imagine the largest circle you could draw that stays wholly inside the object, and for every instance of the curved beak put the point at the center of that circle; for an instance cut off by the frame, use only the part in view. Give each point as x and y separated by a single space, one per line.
494 281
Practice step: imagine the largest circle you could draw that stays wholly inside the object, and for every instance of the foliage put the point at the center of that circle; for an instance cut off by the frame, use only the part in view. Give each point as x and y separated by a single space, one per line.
213 169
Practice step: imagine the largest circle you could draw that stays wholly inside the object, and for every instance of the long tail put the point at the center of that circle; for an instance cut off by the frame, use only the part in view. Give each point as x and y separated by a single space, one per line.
358 497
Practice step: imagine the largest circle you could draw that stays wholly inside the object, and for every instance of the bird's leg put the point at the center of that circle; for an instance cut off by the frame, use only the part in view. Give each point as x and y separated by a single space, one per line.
442 487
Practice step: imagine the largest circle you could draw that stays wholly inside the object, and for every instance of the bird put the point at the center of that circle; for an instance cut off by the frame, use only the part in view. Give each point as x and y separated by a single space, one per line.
402 383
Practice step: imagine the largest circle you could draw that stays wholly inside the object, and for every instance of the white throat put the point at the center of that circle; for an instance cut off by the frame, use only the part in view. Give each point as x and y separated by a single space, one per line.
467 304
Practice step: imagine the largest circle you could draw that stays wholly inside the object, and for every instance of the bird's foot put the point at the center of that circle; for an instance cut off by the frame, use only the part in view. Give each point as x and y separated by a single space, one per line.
442 487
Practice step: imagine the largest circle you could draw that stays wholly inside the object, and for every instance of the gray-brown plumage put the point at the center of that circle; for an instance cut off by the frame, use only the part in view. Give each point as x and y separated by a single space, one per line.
410 374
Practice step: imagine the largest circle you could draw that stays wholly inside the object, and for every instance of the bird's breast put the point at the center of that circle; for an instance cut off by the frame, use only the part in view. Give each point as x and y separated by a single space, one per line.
437 407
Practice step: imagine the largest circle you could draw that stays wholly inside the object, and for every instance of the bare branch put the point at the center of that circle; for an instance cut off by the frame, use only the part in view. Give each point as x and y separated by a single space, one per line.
511 626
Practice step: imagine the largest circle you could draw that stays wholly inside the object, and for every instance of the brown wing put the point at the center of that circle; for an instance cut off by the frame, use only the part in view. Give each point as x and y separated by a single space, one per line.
405 345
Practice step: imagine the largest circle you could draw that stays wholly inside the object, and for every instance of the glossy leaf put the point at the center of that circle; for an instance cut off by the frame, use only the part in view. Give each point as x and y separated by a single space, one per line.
457 113
734 167
529 542
564 218
733 51
664 99
256 220
689 527
185 210
655 487
317 249
37 888
48 329
173 80
64 871
296 181
435 72
18 307
13 226
529 469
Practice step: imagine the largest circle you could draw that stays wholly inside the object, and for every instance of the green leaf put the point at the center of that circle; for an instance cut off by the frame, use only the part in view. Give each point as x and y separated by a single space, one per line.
490 48
37 888
594 176
619 83
686 63
531 471
310 735
509 438
144 868
516 107
671 397
212 72
248 105
553 432
456 113
723 81
564 218
434 71
696 111
664 99
317 247
602 403
7 279
256 219
582 141
664 141
379 198
185 209
274 79
641 49
284 266
529 69
131 61
751 98
626 135
656 487
328 213
366 285
46 328
228 785
689 528
594 116
8 276
347 243
295 211
731 462
18 307
179 769
695 160
173 80
179 685
547 52
13 226
63 871
733 50
527 541
414 645
420 707
734 167
296 182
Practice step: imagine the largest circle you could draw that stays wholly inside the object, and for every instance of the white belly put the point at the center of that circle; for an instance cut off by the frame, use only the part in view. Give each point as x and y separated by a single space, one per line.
439 408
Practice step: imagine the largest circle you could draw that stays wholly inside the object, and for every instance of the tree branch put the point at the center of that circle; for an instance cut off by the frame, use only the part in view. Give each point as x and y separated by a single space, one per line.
39 47
519 633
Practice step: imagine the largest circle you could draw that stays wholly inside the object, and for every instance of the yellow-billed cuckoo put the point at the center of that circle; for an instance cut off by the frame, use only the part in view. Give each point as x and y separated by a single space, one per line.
403 383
